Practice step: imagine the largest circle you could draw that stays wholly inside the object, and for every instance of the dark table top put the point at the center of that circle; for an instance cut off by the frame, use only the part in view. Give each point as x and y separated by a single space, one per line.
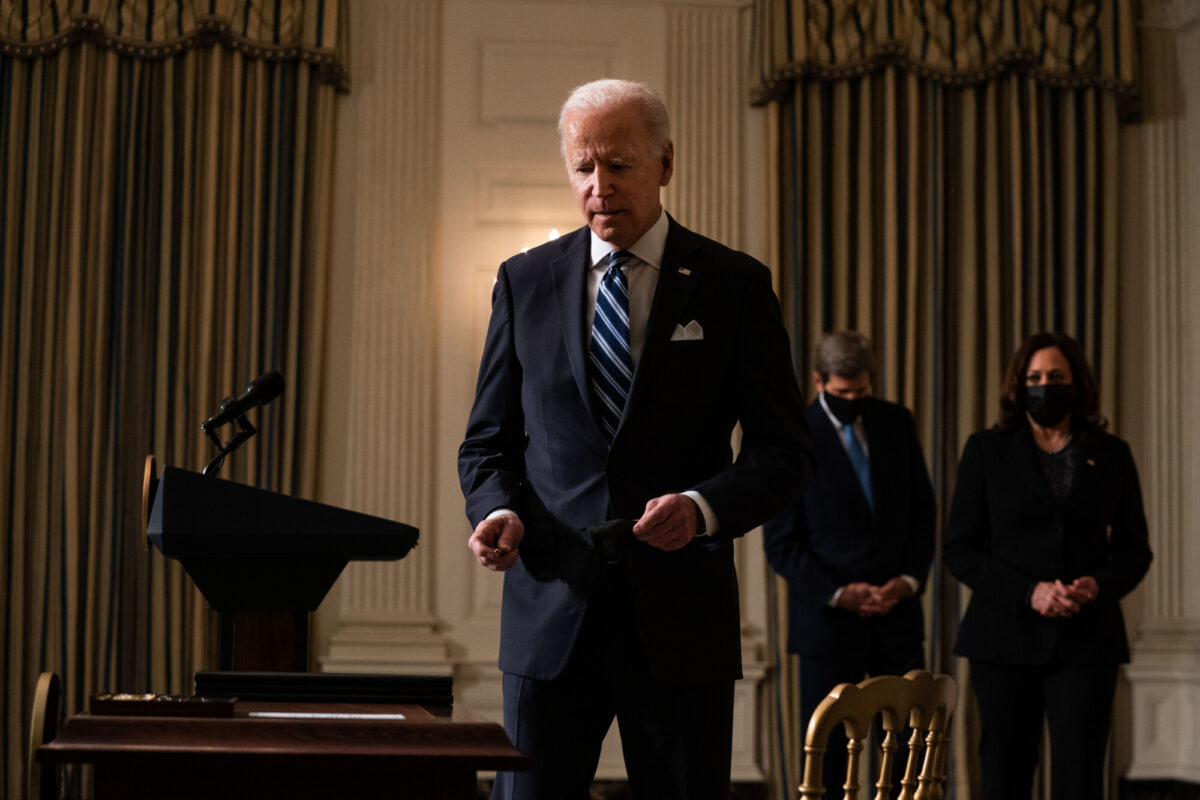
339 735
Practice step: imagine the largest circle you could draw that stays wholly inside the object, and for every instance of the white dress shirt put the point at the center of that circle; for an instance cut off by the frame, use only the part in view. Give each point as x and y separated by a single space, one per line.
641 272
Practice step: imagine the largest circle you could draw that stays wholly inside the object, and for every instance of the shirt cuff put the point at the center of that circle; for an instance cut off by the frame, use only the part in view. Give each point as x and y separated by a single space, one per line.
912 582
711 523
500 512
837 595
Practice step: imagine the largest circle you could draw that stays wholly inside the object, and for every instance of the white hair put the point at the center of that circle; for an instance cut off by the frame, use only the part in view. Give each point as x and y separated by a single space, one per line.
609 93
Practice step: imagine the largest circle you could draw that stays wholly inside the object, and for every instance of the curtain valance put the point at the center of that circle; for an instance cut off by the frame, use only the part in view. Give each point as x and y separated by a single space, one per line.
272 30
1068 43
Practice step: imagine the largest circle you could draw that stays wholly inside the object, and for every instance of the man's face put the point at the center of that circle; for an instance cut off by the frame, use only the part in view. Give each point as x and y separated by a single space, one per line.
848 388
615 172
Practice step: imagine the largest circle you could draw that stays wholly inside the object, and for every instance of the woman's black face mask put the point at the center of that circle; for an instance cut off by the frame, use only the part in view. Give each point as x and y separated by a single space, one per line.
1049 403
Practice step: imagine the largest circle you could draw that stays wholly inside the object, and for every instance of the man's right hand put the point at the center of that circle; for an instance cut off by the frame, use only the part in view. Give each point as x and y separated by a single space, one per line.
853 596
495 541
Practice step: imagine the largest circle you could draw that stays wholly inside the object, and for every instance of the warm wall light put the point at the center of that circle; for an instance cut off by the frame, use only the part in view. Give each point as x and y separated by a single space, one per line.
550 237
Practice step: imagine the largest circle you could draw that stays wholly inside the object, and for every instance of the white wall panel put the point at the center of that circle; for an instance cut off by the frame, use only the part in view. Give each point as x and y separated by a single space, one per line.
1160 275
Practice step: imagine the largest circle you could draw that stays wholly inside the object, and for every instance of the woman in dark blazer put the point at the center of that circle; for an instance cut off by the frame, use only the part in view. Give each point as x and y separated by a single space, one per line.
1047 529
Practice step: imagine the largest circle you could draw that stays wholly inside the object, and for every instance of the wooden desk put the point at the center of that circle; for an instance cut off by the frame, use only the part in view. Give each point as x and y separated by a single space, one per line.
427 754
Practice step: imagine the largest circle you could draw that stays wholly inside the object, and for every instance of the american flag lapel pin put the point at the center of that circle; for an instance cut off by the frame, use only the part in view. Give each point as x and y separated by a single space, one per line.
684 271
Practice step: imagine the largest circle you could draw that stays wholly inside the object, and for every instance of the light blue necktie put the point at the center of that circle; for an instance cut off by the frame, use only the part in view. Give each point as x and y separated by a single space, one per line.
612 361
860 462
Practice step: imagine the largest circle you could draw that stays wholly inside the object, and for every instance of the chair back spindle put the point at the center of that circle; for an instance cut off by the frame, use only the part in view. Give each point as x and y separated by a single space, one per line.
919 700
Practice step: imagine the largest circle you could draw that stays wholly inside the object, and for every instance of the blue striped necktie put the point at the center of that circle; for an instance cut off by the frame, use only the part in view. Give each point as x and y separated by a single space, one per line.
860 462
612 362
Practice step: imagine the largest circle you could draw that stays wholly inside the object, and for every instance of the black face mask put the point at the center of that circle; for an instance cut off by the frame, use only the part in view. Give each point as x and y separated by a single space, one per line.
846 411
1049 403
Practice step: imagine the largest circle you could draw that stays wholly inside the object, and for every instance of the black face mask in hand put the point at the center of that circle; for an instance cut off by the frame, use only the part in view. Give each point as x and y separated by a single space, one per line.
612 540
1049 403
846 411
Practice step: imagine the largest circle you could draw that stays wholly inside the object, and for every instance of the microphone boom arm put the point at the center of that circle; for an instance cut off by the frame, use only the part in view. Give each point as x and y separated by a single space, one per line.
262 390
247 430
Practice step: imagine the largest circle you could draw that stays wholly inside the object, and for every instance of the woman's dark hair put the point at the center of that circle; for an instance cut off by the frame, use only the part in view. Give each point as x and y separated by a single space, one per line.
1085 405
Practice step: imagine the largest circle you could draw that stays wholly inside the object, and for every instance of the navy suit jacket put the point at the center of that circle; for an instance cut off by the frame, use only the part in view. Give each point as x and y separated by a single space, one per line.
831 536
1006 532
533 444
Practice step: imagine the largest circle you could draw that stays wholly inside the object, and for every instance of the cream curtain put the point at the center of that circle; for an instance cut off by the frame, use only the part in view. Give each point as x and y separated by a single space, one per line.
947 184
165 173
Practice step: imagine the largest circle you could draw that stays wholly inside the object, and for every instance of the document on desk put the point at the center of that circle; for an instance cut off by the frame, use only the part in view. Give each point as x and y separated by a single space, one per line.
321 715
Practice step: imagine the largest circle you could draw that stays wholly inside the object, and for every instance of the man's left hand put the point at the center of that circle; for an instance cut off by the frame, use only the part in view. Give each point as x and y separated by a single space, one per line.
884 598
669 522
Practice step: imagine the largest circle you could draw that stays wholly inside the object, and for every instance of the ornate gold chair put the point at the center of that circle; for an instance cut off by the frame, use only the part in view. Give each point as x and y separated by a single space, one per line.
920 700
42 782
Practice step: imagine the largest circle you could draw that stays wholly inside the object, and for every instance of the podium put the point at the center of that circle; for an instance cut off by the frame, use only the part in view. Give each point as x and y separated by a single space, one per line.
263 560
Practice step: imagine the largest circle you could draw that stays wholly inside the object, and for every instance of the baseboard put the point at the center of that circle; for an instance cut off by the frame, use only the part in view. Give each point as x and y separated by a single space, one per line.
619 790
1158 790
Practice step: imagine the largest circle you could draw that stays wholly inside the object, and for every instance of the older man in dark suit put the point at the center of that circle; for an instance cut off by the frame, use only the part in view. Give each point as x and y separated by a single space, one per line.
856 547
617 362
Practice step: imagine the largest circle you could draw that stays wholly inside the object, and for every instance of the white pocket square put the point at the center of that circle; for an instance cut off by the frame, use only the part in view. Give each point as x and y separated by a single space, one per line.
692 332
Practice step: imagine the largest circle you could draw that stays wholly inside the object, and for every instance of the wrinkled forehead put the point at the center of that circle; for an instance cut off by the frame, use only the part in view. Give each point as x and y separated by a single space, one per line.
607 133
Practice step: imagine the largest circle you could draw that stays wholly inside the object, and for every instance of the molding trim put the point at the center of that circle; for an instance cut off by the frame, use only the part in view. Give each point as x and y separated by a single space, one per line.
1171 14
1165 689
393 647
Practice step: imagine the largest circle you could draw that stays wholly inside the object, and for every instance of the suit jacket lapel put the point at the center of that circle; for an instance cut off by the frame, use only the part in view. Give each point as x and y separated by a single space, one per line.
1087 475
569 273
670 296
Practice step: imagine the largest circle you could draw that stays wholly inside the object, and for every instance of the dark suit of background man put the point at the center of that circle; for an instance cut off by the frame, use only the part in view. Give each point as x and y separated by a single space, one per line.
855 548
653 640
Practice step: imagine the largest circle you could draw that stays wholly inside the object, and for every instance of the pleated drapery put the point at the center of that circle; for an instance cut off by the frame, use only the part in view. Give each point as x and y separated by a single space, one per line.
947 184
1063 43
165 173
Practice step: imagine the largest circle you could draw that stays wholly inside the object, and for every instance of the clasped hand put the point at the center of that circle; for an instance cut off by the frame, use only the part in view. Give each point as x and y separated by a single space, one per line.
867 600
1056 599
668 523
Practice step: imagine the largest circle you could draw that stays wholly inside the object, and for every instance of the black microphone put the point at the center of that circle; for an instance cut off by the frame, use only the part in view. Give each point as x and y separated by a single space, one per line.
262 390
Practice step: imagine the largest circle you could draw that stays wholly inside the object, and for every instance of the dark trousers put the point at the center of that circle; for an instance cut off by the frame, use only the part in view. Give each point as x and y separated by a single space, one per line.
677 742
818 676
1075 699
